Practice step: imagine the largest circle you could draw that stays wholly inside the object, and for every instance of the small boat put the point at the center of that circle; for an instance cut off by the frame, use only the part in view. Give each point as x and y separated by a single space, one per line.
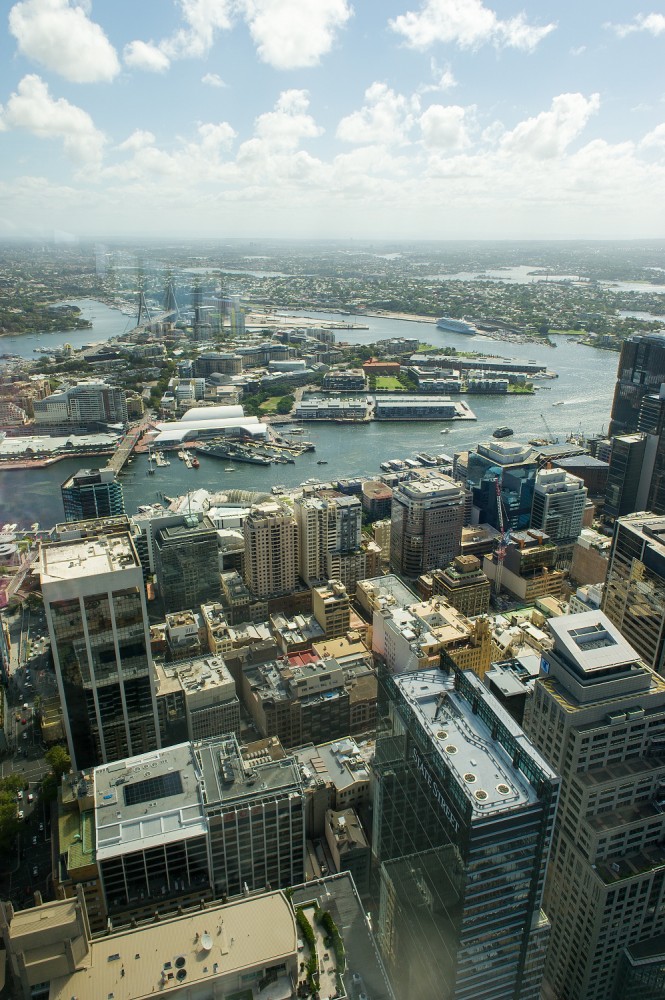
195 463
446 430
559 402
321 461
229 468
503 432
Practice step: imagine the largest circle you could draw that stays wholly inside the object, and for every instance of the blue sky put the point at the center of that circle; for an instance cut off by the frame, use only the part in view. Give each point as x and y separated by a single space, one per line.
441 119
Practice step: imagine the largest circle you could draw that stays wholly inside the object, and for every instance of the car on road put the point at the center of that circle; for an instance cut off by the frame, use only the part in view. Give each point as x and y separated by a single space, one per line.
41 827
31 797
34 841
24 722
20 814
19 795
35 872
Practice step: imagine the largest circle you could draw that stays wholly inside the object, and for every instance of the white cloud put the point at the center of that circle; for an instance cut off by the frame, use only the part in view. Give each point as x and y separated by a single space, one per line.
444 128
290 34
138 140
146 56
203 19
32 108
63 39
468 24
213 80
654 139
549 134
444 79
387 117
654 24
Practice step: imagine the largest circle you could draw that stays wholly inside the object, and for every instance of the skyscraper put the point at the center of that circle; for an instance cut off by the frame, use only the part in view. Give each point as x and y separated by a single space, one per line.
634 595
92 493
187 563
96 613
641 371
426 525
598 717
271 550
463 814
329 534
627 481
558 505
514 467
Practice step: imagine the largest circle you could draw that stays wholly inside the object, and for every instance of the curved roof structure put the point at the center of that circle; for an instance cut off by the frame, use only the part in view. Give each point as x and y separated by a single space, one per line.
189 430
198 413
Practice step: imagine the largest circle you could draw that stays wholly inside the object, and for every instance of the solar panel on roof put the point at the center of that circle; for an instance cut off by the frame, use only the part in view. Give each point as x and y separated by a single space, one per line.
160 787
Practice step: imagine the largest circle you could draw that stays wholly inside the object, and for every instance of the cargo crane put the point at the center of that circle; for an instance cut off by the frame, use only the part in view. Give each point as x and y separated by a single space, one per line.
503 540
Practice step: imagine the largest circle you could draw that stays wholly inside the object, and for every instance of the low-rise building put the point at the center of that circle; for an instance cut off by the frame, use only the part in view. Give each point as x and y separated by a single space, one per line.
215 951
196 699
332 609
528 568
586 598
295 633
413 638
591 557
464 585
335 775
348 846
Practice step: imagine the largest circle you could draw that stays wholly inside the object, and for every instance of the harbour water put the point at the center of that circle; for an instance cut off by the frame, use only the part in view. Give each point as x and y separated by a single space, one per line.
585 387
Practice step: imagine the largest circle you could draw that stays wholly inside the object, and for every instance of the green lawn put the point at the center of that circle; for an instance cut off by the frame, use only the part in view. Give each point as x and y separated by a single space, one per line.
270 405
571 333
389 383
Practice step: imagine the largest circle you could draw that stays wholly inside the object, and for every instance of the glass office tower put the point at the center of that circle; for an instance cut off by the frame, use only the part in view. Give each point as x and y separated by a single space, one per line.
98 623
464 811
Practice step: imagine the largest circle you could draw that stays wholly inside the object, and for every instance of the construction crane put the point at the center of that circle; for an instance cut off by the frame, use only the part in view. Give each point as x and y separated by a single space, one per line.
503 540
551 437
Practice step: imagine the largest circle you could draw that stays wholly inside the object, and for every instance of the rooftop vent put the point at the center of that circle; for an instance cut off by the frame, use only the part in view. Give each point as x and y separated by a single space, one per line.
481 795
442 735
470 777
451 748
503 789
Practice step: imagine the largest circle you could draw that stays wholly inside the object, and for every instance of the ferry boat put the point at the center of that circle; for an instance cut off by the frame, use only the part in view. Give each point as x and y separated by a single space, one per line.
503 432
456 326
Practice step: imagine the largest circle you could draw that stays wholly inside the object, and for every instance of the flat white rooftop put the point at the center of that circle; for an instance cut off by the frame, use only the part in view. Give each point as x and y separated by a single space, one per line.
151 798
480 765
591 641
86 557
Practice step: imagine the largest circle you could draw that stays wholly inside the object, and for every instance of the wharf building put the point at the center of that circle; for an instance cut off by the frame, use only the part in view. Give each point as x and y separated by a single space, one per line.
463 814
86 404
515 467
463 584
203 953
598 717
413 638
634 594
92 493
271 550
529 567
408 407
426 525
195 821
186 563
96 613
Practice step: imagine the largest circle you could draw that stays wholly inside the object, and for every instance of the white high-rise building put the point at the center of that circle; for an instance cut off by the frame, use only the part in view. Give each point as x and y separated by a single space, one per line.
84 403
96 612
426 525
559 500
329 533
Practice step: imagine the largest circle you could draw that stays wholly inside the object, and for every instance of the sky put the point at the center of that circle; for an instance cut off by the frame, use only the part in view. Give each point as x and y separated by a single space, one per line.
346 119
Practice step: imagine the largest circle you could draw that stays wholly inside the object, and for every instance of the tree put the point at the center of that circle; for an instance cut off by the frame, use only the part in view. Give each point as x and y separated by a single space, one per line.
58 760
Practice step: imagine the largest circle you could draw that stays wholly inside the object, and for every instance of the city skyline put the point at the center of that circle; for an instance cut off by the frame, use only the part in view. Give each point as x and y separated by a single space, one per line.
410 119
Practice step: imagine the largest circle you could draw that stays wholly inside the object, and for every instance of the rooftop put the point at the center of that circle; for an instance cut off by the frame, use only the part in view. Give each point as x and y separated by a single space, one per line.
218 941
591 641
154 797
86 557
342 762
465 745
227 777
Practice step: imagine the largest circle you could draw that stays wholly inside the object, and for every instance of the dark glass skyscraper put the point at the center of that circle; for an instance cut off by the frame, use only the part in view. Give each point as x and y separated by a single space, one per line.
641 371
92 493
463 818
